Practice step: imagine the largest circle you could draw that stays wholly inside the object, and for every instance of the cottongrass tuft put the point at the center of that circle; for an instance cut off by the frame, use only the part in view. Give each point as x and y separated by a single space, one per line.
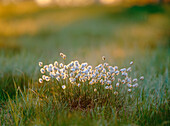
78 73
81 80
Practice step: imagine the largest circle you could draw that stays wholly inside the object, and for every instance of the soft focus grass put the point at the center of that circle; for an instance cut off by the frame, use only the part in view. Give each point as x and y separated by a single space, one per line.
121 33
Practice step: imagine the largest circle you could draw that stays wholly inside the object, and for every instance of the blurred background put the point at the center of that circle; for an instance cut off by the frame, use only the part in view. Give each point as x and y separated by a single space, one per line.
122 30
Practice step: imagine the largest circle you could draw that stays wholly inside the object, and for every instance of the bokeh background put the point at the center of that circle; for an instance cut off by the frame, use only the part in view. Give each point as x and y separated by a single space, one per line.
85 30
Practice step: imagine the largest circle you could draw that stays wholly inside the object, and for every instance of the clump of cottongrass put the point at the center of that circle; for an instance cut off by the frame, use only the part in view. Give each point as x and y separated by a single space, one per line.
102 76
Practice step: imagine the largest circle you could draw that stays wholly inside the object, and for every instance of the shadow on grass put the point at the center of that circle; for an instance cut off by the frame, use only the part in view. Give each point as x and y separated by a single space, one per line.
8 82
136 13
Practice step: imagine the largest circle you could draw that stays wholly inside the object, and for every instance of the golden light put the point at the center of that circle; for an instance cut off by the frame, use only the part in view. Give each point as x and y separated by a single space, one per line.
108 1
73 2
43 2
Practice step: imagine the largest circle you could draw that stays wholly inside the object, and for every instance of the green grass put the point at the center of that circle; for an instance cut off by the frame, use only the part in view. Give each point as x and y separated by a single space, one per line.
121 33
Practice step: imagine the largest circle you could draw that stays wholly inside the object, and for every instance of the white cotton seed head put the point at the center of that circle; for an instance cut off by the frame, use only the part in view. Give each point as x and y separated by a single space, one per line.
64 57
123 70
50 65
113 79
61 54
110 68
40 64
131 63
129 85
101 81
106 64
124 74
43 77
79 85
108 74
110 87
40 80
52 74
49 69
91 82
135 80
104 70
109 82
135 85
119 80
116 67
63 87
46 66
42 70
112 72
128 80
116 73
142 78
104 75
129 69
47 78
117 84
129 90
103 58
123 81
107 87
56 63
95 90
61 65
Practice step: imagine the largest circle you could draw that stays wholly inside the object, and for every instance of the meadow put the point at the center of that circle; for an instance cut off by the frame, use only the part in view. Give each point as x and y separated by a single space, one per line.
30 34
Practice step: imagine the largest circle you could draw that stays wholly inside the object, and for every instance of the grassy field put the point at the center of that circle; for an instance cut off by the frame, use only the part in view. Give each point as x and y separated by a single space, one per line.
30 34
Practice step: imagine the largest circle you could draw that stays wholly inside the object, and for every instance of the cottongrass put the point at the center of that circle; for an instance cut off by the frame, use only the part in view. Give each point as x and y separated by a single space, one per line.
83 86
76 74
